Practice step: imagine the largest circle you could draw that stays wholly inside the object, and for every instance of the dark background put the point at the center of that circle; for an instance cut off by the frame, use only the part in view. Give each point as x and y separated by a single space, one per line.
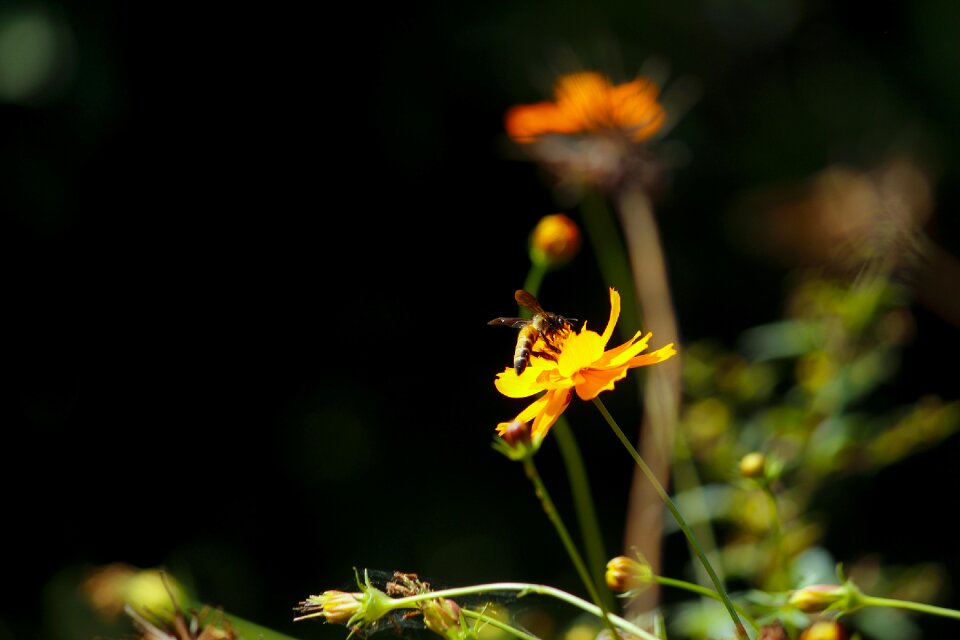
251 254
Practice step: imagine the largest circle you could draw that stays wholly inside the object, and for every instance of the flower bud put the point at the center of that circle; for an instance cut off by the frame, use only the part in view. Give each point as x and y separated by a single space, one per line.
554 241
625 574
824 630
817 597
515 440
337 607
442 616
752 465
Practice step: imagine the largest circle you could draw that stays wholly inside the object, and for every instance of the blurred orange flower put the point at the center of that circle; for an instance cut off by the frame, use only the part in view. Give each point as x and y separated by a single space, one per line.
582 365
587 102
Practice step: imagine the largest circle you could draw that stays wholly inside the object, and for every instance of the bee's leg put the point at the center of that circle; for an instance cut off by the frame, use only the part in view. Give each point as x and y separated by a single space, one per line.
547 355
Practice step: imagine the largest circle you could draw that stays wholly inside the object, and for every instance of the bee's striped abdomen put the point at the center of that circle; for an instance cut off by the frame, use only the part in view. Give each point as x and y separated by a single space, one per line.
521 357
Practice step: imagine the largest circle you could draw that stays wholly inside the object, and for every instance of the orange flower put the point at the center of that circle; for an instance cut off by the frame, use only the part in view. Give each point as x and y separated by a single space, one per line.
582 366
587 102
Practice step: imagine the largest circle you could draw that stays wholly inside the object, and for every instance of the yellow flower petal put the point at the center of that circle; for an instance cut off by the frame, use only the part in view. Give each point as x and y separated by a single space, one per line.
556 403
528 414
653 357
534 379
597 380
614 315
579 350
620 355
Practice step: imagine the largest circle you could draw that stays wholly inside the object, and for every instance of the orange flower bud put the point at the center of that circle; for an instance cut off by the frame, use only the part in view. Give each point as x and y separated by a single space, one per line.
824 630
555 240
627 574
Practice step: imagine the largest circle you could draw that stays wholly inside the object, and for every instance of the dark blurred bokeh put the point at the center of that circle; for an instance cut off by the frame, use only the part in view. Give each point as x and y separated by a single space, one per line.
252 250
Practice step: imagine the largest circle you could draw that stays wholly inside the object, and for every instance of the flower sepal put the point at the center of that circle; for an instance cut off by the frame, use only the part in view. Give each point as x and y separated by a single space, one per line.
515 442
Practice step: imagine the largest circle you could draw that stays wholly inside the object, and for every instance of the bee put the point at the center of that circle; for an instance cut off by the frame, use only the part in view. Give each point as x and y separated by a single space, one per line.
543 325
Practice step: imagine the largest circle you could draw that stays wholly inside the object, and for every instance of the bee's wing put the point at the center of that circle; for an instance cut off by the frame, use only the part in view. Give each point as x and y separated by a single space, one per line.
527 299
514 323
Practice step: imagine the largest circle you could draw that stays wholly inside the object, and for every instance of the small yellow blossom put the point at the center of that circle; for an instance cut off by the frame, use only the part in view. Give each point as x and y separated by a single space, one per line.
587 102
554 241
583 365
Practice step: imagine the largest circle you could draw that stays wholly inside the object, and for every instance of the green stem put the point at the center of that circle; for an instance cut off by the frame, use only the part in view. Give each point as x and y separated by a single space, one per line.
873 601
247 630
577 474
709 593
681 522
611 256
554 516
524 588
535 279
778 579
583 505
493 622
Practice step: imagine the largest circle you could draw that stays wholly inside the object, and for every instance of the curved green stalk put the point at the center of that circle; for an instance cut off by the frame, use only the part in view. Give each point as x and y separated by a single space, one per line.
681 522
873 601
410 602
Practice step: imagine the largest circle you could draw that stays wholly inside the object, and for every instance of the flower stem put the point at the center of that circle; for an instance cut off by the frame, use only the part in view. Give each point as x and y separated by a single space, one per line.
778 579
534 278
709 593
583 505
247 630
873 601
577 474
554 516
524 588
681 522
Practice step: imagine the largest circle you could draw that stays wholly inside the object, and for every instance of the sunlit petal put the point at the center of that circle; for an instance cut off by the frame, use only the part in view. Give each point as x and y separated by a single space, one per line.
653 357
580 350
597 380
614 315
526 384
556 403
621 355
